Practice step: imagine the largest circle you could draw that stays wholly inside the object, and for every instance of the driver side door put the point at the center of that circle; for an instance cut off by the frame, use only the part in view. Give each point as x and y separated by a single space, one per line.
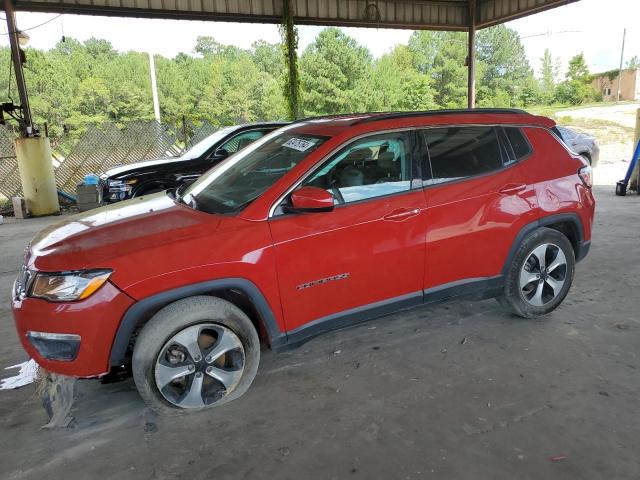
367 255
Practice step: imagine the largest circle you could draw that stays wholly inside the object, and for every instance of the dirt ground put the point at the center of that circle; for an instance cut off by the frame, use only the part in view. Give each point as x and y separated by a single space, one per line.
461 390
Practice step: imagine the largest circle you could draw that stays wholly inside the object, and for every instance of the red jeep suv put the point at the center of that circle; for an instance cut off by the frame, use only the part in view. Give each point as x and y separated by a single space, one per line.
319 225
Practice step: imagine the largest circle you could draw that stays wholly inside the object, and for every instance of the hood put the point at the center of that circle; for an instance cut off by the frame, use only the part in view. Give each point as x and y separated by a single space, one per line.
97 238
123 170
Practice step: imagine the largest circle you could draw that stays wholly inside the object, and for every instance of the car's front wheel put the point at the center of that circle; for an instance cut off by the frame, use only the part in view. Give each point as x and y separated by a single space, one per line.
196 353
540 274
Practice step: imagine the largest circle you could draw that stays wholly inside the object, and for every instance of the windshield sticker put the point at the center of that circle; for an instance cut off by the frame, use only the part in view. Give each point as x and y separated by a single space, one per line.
299 144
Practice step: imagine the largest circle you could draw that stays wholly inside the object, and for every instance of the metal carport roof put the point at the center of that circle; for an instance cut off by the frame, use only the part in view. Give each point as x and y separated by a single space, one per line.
462 15
416 14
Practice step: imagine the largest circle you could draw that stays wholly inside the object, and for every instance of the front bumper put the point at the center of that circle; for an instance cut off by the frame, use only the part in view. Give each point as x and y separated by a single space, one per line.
85 331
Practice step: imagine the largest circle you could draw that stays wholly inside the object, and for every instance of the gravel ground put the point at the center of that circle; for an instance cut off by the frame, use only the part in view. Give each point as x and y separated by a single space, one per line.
613 127
621 113
462 390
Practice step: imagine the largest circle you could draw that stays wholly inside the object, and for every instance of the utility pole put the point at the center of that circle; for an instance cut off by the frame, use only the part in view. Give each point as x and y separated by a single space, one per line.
154 87
624 34
26 124
471 56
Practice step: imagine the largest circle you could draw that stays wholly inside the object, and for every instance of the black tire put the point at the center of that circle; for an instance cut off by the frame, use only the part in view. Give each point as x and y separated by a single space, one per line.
176 317
514 297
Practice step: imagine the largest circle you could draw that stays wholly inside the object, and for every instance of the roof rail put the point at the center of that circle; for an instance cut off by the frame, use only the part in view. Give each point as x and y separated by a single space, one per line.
338 115
455 111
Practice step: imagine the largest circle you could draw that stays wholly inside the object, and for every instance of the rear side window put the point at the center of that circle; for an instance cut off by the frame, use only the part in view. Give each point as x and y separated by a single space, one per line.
519 144
460 152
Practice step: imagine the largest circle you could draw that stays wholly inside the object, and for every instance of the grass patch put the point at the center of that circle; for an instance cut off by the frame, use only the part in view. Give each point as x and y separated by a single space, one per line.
604 131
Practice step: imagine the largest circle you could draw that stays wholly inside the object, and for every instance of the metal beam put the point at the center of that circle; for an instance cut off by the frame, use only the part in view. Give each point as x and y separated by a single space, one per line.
411 14
494 12
26 124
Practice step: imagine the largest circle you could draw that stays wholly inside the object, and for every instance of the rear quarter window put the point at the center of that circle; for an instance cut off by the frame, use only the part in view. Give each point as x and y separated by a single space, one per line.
519 143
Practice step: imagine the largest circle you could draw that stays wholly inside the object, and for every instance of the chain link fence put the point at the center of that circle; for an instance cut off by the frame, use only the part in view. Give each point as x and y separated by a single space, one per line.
9 175
99 148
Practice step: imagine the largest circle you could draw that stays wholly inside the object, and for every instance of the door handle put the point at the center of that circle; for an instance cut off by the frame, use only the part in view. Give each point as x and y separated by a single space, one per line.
512 188
402 214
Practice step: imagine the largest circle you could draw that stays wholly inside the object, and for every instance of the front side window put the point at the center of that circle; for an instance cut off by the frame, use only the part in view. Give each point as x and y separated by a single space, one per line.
242 140
461 152
235 183
202 146
371 167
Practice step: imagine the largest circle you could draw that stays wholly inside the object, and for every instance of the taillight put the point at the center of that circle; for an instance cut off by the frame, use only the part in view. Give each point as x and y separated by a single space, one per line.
586 175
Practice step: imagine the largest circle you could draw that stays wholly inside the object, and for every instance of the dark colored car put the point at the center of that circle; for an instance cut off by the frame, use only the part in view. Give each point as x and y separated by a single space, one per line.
319 225
581 143
143 178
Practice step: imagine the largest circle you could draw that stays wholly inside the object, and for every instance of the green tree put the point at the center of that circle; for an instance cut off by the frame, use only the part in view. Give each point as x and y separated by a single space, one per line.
633 62
100 49
333 70
207 46
548 78
441 56
504 76
268 58
397 85
576 88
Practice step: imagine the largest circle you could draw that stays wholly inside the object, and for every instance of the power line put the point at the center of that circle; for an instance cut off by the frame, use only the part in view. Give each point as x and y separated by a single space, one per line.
549 33
34 27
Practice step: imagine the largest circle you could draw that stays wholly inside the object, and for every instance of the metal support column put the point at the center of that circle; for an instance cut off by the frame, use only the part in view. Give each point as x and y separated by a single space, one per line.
471 56
26 123
624 34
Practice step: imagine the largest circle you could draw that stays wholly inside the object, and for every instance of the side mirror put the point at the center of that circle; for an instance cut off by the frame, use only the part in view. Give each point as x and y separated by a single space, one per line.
311 199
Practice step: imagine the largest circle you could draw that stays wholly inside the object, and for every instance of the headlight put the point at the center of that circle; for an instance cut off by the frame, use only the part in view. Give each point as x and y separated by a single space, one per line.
120 189
122 183
65 287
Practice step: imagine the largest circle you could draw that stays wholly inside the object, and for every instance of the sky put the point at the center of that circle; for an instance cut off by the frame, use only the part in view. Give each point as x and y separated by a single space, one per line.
592 26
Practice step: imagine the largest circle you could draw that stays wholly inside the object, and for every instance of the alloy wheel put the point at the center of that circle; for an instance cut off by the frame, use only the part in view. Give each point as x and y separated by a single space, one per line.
543 274
199 365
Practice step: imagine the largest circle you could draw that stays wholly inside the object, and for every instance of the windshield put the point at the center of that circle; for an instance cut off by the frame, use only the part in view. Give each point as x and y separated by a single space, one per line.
202 146
235 183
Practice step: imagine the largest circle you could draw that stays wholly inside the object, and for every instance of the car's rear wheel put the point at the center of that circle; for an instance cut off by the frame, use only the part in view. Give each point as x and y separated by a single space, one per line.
196 353
540 274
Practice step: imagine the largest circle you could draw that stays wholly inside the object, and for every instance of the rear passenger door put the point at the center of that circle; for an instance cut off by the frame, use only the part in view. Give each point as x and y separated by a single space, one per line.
478 197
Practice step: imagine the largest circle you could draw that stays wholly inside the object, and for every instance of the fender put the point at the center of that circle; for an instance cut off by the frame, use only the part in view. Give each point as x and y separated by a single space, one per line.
146 307
581 247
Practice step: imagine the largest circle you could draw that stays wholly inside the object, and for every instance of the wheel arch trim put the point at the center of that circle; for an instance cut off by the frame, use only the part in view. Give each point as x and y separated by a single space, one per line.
143 309
581 246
